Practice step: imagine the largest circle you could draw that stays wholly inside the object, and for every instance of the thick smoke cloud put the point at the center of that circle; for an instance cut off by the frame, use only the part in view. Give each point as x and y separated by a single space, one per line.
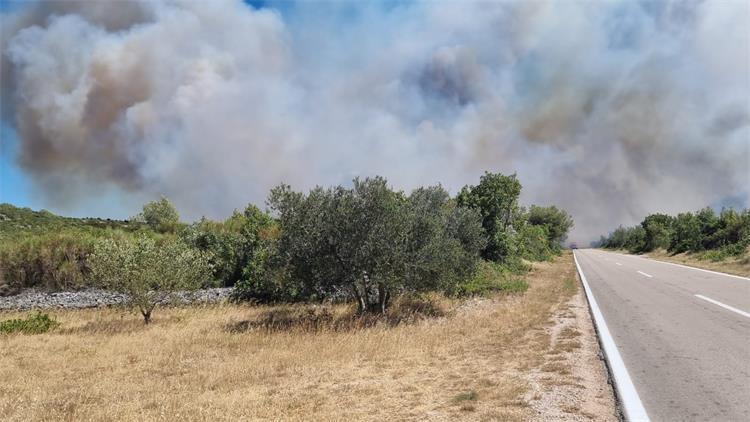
610 110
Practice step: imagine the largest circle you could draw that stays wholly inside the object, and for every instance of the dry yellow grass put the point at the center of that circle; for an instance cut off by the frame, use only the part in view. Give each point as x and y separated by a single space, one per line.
738 265
106 365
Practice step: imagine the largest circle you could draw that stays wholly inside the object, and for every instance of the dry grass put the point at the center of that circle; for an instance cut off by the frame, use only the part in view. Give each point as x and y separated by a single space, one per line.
738 265
224 363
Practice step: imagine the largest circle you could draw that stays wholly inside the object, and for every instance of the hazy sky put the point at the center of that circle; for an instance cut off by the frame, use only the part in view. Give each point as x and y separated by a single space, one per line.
611 110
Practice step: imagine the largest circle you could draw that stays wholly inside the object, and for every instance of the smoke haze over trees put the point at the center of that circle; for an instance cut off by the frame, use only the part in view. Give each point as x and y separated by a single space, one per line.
610 110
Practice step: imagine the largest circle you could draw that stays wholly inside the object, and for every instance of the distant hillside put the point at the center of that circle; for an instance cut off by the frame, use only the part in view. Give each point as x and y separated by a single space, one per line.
15 221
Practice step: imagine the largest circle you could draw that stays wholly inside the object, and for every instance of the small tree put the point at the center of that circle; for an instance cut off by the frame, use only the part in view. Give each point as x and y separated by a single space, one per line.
160 215
658 229
147 271
496 199
556 223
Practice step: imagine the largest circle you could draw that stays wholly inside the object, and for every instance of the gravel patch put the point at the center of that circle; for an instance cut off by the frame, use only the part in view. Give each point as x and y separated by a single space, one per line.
572 385
95 298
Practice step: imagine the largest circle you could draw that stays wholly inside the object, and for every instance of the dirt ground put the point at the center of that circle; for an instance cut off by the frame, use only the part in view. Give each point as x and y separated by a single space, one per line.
572 384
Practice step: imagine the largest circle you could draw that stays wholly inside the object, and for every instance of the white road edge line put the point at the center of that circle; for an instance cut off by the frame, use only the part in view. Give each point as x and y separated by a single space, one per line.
647 275
685 266
724 305
631 402
618 264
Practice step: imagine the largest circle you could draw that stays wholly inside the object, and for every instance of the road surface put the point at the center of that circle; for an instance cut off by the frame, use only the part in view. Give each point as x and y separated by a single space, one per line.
683 334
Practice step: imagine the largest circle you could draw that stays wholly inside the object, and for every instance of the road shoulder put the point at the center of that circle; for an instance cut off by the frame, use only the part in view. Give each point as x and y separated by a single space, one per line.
571 383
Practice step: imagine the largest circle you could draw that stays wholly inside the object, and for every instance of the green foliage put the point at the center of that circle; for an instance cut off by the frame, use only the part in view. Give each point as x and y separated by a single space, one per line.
160 215
37 323
367 242
147 270
556 223
233 244
658 231
51 261
686 234
18 223
492 277
496 199
533 243
714 237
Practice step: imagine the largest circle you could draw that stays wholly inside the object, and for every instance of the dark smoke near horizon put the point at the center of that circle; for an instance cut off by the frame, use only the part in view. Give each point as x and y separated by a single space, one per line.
611 110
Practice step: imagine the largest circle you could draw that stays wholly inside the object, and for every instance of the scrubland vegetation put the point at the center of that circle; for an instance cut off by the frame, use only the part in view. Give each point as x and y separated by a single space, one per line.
366 244
359 302
690 238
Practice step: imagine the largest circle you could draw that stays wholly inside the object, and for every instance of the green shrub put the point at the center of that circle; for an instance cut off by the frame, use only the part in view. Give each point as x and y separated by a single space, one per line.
34 324
147 270
533 243
50 261
492 277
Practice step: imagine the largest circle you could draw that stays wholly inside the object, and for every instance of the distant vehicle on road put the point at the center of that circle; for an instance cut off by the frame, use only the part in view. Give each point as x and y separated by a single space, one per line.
573 246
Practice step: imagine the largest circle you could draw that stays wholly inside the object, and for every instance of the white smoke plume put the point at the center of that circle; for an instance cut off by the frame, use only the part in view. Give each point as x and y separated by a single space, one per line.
611 110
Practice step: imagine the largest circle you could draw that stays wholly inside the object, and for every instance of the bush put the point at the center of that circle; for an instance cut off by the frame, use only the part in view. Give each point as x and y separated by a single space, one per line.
37 323
533 243
148 271
51 261
233 244
492 277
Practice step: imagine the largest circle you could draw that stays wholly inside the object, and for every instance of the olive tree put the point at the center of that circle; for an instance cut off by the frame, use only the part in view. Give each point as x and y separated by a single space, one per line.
370 241
146 270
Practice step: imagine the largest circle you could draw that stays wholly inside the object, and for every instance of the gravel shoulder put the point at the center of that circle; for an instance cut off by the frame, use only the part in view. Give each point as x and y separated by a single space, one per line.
572 384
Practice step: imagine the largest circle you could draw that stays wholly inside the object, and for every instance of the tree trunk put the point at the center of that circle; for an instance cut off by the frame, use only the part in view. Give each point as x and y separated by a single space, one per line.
365 298
383 296
146 316
358 297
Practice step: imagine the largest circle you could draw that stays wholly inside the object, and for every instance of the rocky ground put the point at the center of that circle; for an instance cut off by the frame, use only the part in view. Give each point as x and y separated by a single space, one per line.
94 298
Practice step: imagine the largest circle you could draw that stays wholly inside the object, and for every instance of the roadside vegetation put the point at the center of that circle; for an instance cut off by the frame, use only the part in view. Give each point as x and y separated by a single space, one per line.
703 237
433 357
359 302
367 244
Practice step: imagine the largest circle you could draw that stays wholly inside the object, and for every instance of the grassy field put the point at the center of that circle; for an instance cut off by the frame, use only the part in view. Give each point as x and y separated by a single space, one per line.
215 362
738 265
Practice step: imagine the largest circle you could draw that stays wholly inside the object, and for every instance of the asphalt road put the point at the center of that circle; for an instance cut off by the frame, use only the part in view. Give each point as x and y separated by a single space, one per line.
683 334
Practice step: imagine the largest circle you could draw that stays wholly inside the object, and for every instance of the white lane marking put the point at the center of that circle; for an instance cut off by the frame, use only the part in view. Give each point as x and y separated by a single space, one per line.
647 275
684 266
618 264
631 402
723 305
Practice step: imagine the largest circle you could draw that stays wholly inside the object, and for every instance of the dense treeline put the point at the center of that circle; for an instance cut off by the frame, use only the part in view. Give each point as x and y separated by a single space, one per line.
716 235
366 243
